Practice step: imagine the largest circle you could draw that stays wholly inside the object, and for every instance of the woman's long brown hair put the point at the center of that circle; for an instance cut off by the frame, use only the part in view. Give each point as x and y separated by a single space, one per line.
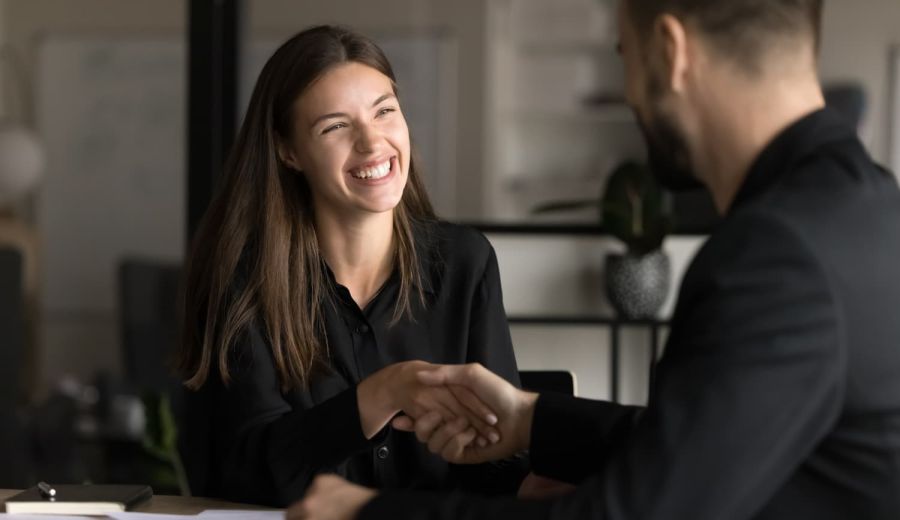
255 259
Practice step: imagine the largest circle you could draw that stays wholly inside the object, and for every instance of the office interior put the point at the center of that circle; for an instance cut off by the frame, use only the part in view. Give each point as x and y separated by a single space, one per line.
512 104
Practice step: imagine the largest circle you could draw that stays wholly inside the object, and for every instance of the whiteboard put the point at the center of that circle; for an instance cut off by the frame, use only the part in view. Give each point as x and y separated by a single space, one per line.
112 113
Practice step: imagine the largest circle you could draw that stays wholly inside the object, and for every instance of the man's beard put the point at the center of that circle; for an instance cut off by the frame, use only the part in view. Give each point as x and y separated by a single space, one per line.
667 154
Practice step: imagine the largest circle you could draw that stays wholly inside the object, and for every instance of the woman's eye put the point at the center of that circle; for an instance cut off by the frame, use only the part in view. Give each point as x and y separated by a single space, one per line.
386 110
333 127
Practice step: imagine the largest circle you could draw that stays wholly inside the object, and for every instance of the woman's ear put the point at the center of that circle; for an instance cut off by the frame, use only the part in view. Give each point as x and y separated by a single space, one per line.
286 156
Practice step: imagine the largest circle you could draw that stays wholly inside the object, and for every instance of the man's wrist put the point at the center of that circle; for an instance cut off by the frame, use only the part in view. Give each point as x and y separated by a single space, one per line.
526 418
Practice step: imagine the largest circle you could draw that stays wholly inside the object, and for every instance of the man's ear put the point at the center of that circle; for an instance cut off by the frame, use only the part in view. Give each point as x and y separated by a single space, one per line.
671 33
286 155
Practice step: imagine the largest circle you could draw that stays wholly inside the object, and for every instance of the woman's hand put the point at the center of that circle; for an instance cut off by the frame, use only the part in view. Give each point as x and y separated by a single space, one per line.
398 388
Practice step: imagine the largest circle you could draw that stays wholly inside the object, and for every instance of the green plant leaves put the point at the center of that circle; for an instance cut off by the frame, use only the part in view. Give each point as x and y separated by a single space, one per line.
161 442
635 209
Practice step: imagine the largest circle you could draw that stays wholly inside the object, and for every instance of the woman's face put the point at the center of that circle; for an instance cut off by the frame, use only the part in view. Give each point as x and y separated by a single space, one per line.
350 140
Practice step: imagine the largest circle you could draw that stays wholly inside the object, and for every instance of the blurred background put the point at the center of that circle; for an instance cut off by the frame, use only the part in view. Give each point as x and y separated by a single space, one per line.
115 116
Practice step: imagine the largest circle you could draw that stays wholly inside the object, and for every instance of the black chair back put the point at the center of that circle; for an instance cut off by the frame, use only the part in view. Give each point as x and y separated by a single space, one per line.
15 455
148 306
12 327
559 381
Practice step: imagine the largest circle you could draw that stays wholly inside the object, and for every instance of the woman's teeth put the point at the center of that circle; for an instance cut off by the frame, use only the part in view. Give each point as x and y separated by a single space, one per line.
375 172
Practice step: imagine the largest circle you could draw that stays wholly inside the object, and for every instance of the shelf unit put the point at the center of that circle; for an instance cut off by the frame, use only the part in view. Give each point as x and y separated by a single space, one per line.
548 137
613 323
615 326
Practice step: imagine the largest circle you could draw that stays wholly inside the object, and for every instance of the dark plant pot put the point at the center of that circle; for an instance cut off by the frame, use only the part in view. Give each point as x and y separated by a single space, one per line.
637 286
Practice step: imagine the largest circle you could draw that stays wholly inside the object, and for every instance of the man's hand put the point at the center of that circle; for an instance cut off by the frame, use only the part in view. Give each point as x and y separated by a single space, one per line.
330 498
536 487
397 388
451 440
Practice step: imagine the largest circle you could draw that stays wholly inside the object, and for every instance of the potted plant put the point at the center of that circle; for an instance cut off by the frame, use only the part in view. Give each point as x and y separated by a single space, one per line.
635 209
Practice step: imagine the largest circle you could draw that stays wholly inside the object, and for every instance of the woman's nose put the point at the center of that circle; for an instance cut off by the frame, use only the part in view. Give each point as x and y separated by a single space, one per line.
367 138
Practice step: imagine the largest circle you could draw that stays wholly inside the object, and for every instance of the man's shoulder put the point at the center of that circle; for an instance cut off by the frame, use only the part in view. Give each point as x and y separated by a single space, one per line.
751 229
832 188
832 199
814 214
752 245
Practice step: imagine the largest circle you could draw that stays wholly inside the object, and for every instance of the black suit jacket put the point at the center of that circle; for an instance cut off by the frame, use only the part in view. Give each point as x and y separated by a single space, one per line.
778 396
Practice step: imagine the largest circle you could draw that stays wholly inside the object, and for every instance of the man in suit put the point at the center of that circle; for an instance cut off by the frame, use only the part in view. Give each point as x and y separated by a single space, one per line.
778 396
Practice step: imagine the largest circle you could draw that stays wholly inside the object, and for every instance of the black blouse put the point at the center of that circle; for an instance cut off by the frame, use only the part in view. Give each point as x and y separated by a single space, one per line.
250 442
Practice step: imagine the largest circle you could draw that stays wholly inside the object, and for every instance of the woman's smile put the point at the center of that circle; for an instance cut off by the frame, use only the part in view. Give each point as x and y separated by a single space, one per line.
375 172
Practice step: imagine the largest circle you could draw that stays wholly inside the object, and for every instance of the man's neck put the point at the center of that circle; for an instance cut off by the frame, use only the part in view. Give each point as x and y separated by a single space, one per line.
737 131
359 250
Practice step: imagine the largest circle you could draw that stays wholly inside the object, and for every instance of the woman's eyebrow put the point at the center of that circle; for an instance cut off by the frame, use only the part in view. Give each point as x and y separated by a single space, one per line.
335 115
382 98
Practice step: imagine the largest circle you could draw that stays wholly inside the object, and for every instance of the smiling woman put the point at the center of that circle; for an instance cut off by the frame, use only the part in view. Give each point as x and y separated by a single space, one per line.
356 154
320 283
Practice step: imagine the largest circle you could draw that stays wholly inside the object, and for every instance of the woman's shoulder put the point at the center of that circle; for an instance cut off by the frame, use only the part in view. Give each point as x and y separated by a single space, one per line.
455 244
454 237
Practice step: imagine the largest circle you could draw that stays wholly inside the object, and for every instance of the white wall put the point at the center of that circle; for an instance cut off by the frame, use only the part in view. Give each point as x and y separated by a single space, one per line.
81 341
4 76
857 36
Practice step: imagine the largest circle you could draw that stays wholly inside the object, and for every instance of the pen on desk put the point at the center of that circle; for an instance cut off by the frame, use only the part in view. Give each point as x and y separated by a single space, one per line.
46 490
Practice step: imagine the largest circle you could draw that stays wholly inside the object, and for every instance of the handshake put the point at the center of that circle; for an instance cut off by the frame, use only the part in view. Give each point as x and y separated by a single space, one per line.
464 413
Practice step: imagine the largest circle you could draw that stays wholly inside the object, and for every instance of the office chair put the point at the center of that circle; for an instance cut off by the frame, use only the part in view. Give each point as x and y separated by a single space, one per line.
148 327
12 327
15 460
148 322
559 381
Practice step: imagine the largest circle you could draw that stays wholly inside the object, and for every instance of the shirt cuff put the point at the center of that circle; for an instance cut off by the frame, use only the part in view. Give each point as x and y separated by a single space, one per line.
333 424
569 435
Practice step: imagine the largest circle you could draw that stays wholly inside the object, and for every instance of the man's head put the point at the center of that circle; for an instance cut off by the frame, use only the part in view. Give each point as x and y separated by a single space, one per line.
688 58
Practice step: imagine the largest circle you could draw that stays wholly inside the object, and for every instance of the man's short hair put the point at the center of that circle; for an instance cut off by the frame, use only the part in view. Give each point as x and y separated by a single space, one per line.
740 29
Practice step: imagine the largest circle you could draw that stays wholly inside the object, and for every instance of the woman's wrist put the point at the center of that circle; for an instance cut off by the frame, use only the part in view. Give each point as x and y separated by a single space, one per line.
376 403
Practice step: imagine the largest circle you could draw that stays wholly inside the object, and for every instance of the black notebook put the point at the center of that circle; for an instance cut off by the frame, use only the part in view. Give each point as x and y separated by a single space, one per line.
79 500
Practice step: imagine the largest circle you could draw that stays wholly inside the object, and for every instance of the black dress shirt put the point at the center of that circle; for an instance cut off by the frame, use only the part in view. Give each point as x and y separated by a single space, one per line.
778 395
250 442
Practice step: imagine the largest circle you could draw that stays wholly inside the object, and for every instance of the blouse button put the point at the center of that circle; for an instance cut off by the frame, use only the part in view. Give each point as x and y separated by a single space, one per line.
362 329
383 452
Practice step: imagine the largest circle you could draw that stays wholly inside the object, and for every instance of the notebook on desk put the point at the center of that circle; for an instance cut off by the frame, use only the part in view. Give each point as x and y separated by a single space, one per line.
79 500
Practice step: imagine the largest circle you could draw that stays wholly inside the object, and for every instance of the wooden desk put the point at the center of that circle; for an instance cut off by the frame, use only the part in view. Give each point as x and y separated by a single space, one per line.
172 505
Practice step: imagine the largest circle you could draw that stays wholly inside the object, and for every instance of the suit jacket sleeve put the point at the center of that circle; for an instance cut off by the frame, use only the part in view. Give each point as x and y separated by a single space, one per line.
750 382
